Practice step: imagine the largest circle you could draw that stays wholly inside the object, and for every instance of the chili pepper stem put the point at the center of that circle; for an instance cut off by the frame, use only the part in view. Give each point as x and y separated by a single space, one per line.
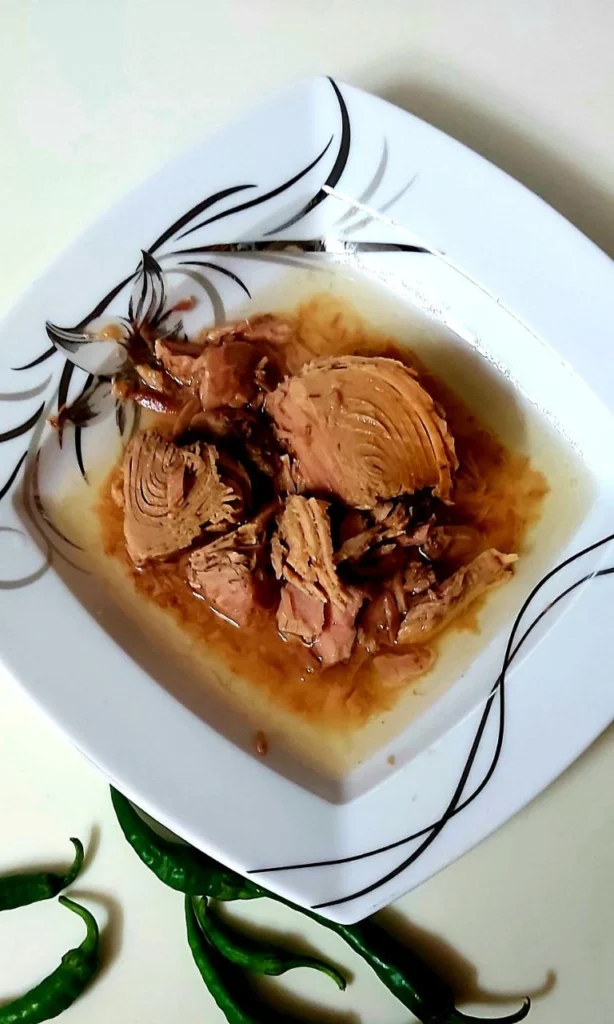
90 943
77 864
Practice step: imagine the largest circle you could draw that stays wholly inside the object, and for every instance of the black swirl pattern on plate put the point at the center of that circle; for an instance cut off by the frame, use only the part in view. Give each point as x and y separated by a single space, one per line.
495 700
147 302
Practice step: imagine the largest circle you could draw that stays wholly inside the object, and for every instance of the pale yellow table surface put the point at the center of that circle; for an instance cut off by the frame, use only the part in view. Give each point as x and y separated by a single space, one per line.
94 94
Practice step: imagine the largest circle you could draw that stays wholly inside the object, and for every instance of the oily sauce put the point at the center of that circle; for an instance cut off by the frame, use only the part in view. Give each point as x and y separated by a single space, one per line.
497 492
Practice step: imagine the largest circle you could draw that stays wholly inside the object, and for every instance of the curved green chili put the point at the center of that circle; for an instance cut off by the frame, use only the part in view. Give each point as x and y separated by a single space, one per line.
60 989
406 975
177 865
402 971
252 954
30 887
225 982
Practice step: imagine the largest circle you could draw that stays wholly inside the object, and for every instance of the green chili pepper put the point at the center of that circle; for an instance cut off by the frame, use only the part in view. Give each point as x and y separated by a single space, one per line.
406 975
225 982
30 887
253 955
177 865
57 992
402 971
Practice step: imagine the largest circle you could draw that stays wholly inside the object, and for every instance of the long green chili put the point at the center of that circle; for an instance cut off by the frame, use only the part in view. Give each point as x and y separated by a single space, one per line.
401 970
253 954
19 890
406 975
178 865
226 982
60 989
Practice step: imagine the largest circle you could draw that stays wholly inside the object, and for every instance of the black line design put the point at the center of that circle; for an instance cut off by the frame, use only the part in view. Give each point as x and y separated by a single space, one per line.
78 439
104 303
34 508
120 416
28 492
23 428
337 168
455 804
146 305
261 199
9 483
36 362
68 338
64 385
24 581
217 303
360 224
222 270
194 212
20 396
148 298
340 246
371 188
79 451
40 508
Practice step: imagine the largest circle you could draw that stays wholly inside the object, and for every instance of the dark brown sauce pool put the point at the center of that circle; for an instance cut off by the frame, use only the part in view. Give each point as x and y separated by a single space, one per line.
497 491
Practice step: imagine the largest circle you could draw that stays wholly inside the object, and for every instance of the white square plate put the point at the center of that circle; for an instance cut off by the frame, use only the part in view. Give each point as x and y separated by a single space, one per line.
515 306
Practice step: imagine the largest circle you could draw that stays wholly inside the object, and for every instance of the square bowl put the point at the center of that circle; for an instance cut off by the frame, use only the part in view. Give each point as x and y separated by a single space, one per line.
332 191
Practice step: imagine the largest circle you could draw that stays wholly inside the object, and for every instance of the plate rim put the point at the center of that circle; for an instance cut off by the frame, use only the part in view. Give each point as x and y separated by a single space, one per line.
332 819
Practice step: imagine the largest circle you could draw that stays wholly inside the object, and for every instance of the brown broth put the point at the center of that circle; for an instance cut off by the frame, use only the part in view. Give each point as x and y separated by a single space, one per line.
497 492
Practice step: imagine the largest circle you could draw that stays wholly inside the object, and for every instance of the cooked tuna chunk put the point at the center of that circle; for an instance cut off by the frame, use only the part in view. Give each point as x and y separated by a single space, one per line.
430 613
417 578
329 630
225 580
223 571
227 375
302 550
381 619
451 542
170 495
299 614
395 670
247 538
224 376
336 641
353 523
389 527
314 605
237 477
180 359
183 421
364 430
224 364
292 482
265 329
167 402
